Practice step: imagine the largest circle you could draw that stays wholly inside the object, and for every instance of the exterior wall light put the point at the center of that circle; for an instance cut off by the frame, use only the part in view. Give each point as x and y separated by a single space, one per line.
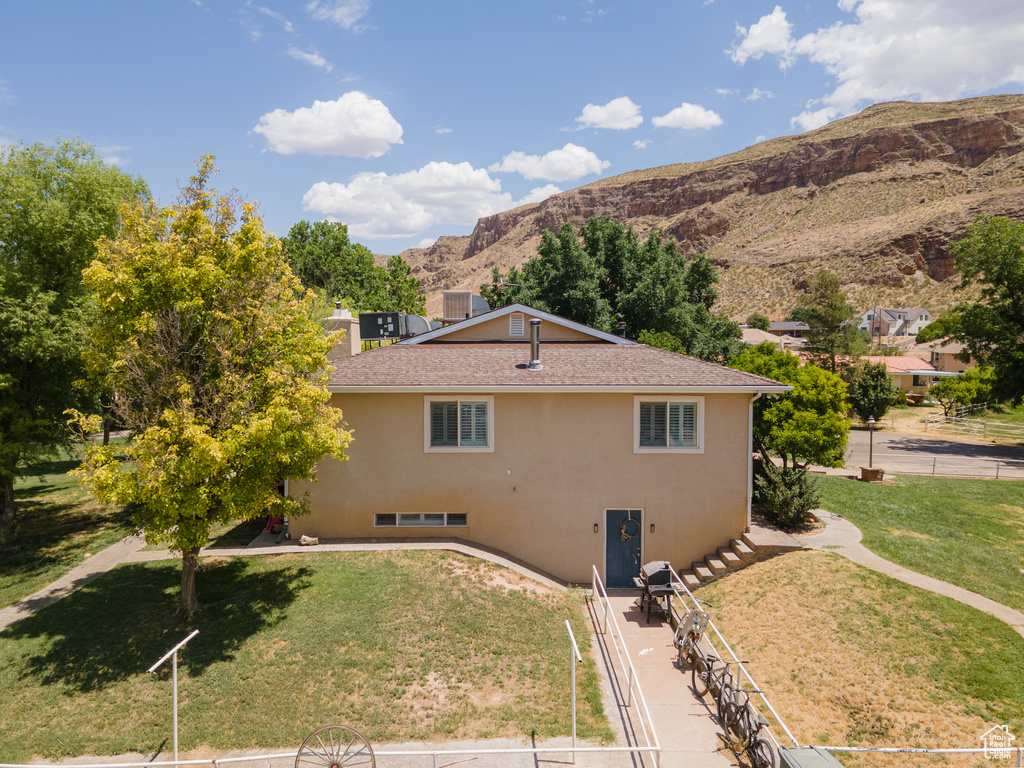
595 527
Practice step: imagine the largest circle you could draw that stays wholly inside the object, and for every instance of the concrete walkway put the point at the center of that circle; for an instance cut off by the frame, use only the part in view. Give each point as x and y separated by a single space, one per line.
843 537
686 726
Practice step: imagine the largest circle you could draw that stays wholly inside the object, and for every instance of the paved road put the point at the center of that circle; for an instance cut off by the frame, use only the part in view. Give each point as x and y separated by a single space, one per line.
918 454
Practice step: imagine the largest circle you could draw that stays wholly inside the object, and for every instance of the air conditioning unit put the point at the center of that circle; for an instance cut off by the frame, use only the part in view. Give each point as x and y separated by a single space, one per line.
458 305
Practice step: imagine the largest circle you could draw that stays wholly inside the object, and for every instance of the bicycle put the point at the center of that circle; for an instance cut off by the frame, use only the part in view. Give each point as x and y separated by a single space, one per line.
689 634
741 718
711 673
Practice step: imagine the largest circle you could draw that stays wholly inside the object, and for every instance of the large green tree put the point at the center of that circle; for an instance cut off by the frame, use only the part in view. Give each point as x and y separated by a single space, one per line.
832 321
871 391
206 338
990 256
605 275
55 202
804 426
972 386
325 260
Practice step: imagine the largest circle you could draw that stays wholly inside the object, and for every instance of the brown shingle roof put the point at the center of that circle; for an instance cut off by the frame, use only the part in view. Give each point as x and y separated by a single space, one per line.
488 364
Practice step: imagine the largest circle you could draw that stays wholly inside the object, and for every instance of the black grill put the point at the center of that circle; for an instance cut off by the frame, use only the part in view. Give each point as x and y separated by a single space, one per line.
656 573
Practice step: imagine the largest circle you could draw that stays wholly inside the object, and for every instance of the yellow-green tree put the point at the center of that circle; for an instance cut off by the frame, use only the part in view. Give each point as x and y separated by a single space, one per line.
206 339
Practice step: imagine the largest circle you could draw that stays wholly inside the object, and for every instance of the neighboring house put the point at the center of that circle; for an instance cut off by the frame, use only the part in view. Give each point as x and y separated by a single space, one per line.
607 453
911 374
881 322
754 336
796 329
943 356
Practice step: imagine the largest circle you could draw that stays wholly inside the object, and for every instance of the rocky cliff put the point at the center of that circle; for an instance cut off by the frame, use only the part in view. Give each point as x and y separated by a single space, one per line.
876 198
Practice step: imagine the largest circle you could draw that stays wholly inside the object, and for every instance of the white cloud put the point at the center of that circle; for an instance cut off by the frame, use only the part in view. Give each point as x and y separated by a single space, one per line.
688 116
354 125
6 94
899 49
311 57
285 24
771 34
565 164
726 91
426 242
618 115
642 143
407 204
757 94
441 130
345 13
537 194
114 155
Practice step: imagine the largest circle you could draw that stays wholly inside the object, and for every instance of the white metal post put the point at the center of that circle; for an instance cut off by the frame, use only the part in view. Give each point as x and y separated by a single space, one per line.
174 705
574 659
173 654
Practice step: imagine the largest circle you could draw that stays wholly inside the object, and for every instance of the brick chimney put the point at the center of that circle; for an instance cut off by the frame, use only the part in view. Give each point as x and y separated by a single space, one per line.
351 343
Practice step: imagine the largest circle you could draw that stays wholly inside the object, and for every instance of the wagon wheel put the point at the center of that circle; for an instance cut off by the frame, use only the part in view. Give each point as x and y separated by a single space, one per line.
335 746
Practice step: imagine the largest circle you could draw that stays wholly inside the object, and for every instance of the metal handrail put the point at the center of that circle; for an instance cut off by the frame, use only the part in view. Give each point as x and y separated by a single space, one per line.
678 582
601 593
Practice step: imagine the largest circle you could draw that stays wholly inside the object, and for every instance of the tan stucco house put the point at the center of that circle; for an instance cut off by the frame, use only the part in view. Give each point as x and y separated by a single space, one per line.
583 449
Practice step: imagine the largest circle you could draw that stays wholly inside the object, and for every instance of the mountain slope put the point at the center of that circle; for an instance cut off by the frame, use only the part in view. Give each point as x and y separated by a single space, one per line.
875 197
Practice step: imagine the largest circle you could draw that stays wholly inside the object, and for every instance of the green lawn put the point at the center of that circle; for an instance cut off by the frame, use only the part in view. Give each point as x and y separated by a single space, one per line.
400 645
59 525
1005 414
967 532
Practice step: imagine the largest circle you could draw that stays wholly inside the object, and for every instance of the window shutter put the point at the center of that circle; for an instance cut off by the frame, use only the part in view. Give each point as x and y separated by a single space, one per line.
652 424
472 423
682 425
444 423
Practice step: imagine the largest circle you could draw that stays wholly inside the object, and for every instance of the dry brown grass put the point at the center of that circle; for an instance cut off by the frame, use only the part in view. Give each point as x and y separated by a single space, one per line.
850 657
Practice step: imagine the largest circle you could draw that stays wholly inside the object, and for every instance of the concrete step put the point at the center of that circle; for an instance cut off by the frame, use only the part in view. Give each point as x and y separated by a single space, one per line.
769 540
730 558
716 565
702 572
690 579
741 549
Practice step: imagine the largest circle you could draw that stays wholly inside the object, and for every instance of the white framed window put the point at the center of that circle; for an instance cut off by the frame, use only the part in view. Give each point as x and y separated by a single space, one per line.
422 520
516 324
458 425
668 424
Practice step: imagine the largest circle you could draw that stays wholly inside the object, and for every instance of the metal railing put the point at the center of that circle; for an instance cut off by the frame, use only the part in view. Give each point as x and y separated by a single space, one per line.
983 428
609 622
743 671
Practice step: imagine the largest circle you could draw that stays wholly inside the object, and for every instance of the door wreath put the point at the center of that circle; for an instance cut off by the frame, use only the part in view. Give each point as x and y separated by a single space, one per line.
624 533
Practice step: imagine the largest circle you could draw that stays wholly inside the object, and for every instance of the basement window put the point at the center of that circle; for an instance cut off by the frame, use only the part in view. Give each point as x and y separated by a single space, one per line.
421 520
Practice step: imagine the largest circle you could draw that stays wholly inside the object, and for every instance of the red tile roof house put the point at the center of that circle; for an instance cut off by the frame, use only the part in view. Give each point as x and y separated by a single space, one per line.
911 374
607 452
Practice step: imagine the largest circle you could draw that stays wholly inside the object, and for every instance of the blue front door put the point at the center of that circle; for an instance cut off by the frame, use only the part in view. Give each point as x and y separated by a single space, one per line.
623 532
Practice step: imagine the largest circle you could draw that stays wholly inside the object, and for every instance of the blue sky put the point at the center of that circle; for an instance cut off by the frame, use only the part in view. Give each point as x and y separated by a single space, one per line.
410 120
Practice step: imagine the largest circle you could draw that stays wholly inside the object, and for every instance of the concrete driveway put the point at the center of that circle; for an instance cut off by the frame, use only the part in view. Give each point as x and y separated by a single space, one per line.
920 454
